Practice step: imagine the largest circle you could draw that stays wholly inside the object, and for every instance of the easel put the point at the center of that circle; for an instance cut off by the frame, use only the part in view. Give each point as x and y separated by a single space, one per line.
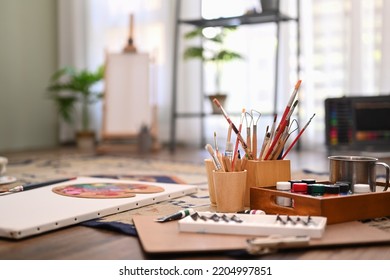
130 47
127 108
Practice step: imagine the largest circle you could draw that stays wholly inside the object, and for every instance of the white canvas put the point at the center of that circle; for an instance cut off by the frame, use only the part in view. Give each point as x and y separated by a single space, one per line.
40 210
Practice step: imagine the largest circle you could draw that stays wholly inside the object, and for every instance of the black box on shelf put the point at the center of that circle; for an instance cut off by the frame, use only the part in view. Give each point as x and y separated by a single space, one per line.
358 123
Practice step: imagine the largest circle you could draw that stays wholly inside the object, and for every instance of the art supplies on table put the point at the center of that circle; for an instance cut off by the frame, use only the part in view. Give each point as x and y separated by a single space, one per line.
337 208
107 190
284 119
157 178
235 152
171 240
275 140
40 210
27 187
230 189
233 223
297 137
216 160
252 212
263 173
254 131
248 153
225 163
176 216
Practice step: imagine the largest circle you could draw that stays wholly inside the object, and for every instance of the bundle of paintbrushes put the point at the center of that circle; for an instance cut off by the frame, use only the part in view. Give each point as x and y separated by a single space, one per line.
225 162
275 138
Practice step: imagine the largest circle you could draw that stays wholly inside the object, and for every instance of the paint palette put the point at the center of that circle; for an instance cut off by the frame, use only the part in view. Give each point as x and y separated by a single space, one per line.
106 190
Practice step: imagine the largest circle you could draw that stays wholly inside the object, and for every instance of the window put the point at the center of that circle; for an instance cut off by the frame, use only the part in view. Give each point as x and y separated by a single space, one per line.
342 53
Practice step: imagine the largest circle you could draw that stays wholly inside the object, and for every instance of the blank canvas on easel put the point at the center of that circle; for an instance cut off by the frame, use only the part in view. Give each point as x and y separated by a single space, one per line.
127 99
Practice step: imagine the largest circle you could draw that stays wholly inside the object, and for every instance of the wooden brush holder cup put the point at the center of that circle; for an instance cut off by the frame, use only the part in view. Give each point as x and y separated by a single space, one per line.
210 181
230 190
265 173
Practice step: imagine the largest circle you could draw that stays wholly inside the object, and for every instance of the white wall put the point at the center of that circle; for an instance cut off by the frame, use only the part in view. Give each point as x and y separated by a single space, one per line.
27 59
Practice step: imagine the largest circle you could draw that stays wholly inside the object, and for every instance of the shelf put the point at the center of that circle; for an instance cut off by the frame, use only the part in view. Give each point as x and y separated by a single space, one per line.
256 18
265 17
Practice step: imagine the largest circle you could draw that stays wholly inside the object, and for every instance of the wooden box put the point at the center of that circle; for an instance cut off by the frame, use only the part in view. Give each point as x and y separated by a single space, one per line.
265 173
337 209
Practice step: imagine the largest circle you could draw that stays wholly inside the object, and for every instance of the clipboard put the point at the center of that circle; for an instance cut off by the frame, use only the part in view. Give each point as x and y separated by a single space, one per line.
170 240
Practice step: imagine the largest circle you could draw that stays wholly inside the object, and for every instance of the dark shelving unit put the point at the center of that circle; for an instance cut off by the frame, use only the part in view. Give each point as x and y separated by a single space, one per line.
264 17
256 18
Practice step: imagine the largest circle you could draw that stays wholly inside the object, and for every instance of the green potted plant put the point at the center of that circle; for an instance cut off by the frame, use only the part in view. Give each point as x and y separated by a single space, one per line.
212 50
69 86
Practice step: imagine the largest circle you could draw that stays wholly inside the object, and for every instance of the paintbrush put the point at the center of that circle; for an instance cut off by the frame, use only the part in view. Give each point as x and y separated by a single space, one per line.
239 136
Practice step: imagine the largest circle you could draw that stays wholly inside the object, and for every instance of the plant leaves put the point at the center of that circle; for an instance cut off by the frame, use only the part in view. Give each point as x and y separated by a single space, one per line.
65 107
68 86
194 52
197 32
225 55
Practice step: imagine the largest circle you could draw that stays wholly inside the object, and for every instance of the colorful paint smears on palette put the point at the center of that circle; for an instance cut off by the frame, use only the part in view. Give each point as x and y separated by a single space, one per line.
145 178
106 190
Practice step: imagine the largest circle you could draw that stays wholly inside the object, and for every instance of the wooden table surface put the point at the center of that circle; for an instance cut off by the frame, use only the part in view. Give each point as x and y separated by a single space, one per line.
84 243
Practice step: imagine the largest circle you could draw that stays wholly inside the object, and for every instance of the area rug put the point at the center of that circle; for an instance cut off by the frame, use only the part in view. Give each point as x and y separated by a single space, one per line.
42 167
